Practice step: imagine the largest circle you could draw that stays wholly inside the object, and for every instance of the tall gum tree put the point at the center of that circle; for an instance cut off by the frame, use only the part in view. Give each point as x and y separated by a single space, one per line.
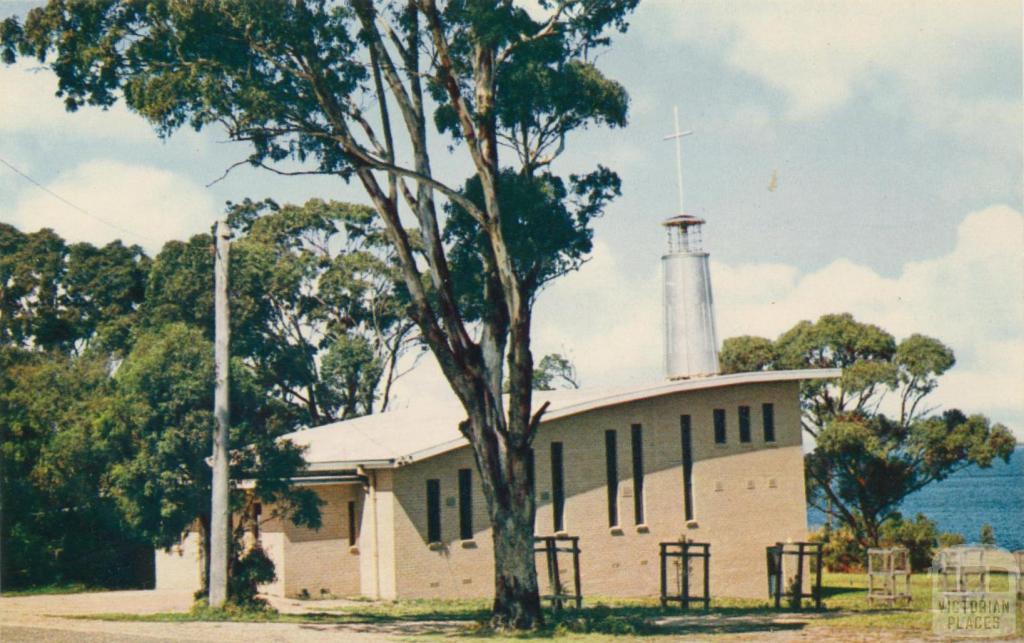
864 462
346 88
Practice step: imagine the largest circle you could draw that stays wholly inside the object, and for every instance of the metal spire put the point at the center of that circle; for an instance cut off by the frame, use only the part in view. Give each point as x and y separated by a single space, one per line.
678 135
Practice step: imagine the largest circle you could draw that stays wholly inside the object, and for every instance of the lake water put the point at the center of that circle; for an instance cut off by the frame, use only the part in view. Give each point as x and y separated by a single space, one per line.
968 499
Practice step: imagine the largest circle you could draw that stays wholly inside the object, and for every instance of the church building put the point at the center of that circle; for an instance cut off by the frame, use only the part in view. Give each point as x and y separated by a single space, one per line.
702 456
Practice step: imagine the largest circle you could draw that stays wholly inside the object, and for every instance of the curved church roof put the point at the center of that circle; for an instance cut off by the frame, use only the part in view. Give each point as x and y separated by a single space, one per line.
400 437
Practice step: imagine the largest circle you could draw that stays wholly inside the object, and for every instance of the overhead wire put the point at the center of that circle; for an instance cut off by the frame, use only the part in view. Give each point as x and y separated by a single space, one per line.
106 222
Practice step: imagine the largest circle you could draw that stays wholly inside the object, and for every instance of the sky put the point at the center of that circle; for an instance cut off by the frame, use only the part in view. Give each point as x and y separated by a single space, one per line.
848 156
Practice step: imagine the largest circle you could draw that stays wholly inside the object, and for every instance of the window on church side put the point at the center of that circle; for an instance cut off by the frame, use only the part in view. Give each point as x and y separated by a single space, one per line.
686 438
638 474
744 413
768 416
466 504
352 535
719 426
611 460
557 487
433 511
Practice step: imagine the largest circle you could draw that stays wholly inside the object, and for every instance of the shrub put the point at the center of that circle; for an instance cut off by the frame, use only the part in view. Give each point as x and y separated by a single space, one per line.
988 535
253 569
840 551
920 536
950 539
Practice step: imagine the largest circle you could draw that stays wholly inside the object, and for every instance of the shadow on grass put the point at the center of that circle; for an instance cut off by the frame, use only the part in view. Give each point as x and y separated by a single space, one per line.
472 621
599 619
642 620
603 619
828 592
376 616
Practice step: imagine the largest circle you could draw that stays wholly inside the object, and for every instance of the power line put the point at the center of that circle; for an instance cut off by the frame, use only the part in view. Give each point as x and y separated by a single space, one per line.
76 207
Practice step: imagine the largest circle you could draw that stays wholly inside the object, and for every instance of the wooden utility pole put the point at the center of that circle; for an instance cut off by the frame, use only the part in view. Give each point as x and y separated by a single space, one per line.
220 513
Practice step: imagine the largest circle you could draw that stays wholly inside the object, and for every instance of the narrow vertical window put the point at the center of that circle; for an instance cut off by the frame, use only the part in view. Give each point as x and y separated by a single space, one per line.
557 486
768 414
687 443
351 523
531 470
611 465
434 511
719 426
744 424
466 504
638 474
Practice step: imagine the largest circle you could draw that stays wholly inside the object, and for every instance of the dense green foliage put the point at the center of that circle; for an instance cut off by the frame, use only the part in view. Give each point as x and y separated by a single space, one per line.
555 370
865 461
65 298
842 551
106 382
60 431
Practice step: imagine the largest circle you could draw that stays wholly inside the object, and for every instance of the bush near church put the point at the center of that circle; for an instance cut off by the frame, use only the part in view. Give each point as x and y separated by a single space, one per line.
841 551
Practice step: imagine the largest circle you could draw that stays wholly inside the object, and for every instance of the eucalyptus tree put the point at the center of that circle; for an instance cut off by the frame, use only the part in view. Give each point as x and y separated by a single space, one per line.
316 316
866 462
347 89
62 297
327 323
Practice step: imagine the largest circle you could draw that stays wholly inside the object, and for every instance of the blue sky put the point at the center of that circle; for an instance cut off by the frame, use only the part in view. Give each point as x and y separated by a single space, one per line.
893 131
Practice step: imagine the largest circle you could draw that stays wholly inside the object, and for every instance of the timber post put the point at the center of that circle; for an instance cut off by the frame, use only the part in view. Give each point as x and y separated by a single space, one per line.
220 511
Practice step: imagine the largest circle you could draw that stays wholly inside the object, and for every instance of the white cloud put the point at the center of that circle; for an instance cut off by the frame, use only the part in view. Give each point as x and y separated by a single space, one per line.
922 55
155 205
972 298
28 105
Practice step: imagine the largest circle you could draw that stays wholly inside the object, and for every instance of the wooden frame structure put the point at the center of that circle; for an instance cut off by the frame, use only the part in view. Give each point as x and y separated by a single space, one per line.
963 569
551 546
889 575
682 552
1019 557
779 557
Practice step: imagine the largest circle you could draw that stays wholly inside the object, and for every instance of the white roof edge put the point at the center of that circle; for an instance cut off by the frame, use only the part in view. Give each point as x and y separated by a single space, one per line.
430 452
335 465
694 384
678 386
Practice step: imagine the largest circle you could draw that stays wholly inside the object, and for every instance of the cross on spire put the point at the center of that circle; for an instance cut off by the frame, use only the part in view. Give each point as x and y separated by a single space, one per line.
678 136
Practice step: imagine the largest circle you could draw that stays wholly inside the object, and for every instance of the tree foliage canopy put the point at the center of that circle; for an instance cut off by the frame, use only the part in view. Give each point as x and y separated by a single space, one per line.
866 462
873 365
59 297
555 370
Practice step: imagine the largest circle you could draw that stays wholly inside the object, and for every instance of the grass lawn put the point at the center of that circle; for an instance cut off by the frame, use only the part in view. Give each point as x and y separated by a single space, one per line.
845 598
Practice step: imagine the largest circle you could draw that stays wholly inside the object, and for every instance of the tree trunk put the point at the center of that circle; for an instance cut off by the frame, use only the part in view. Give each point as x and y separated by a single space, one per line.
511 509
516 597
502 460
204 555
